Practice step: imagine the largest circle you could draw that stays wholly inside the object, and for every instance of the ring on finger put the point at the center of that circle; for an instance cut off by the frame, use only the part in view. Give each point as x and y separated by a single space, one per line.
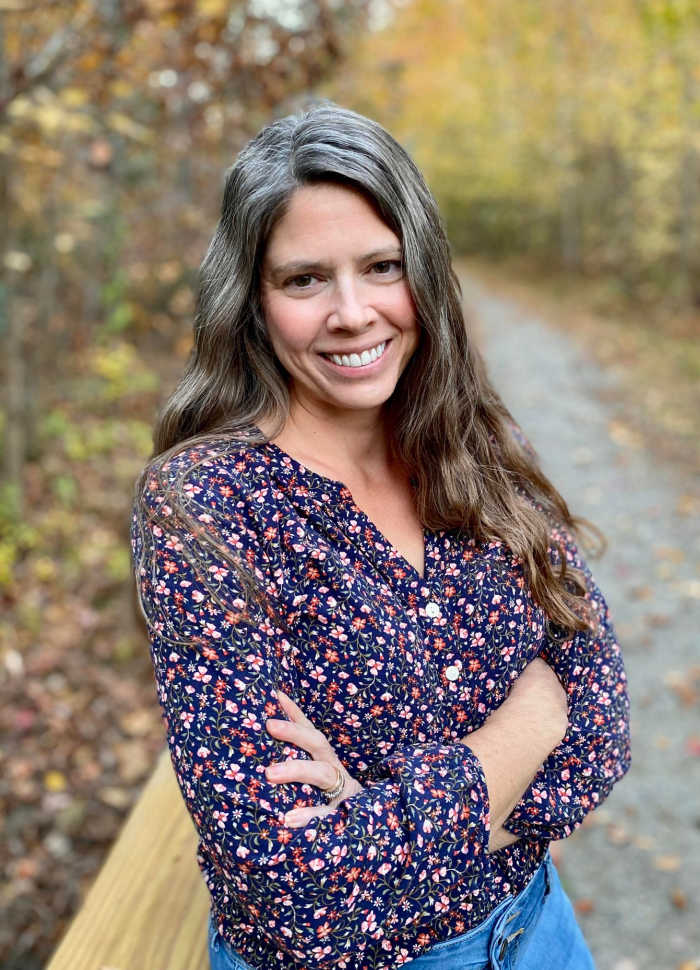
330 793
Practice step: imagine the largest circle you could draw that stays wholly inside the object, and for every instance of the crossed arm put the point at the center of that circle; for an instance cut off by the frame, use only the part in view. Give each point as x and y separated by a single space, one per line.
511 746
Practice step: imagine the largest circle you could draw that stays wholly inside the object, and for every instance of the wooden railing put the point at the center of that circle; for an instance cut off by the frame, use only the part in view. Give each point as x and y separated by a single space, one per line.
148 906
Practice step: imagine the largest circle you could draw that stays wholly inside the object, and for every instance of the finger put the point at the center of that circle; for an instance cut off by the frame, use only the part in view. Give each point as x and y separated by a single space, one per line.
291 708
303 736
322 774
299 817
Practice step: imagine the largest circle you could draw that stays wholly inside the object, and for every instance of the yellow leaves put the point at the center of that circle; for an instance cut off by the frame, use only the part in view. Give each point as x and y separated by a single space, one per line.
44 569
55 781
30 154
121 89
121 371
114 363
212 8
501 100
74 97
52 114
124 125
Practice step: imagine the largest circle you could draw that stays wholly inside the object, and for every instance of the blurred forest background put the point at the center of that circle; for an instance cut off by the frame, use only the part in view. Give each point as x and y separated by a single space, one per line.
562 140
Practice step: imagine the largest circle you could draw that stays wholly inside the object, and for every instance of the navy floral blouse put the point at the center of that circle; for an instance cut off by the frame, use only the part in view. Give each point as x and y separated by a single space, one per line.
395 668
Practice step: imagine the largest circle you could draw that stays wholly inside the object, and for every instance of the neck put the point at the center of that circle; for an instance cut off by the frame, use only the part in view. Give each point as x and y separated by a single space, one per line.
356 442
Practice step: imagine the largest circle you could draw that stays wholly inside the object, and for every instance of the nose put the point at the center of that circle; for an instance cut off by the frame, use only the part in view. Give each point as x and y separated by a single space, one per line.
350 310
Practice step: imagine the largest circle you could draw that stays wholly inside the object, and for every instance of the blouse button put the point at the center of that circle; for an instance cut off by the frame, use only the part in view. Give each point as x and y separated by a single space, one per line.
452 672
432 609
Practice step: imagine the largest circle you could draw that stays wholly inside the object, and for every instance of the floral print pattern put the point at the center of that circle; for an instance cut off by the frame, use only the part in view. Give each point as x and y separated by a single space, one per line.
395 668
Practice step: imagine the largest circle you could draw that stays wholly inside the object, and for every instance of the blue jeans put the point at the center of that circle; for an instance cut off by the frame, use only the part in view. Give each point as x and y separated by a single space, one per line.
536 930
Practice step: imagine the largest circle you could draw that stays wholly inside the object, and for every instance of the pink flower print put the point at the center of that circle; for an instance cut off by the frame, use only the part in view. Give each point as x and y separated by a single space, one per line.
218 572
369 924
401 853
320 951
338 853
250 722
202 675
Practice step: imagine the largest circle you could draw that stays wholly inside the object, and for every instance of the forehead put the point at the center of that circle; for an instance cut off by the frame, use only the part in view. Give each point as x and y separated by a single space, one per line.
319 216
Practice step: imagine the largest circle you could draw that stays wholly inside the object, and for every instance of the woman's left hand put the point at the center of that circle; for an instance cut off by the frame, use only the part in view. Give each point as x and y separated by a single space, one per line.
322 771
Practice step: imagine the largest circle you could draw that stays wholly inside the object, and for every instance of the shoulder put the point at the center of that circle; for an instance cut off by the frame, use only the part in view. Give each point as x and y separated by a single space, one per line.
213 494
217 474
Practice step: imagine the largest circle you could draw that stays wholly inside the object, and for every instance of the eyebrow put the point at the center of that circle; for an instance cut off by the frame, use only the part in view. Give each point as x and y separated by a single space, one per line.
300 266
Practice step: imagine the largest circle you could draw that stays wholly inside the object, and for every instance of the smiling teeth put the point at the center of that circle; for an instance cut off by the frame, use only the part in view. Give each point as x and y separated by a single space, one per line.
358 360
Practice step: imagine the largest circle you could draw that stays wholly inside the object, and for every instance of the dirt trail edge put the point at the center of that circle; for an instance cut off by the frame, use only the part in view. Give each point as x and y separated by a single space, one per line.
633 871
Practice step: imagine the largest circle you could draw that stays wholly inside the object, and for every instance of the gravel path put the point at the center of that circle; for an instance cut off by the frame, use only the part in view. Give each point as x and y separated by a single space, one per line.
634 869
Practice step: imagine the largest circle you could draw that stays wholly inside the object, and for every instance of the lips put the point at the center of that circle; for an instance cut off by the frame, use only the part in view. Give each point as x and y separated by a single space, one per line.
361 359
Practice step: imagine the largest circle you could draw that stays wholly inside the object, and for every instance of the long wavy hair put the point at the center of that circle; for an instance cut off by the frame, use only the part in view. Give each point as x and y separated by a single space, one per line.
472 468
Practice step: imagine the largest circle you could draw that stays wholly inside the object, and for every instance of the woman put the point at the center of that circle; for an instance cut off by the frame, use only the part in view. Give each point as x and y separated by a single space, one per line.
388 677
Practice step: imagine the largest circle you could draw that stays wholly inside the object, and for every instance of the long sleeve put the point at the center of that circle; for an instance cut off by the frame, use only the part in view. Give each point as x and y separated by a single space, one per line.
366 871
581 771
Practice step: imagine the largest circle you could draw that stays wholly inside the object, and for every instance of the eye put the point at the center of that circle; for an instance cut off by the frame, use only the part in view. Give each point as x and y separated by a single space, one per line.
301 282
388 267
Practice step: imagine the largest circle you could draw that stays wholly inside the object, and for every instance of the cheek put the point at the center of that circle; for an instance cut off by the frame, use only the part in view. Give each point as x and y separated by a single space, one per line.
403 309
288 327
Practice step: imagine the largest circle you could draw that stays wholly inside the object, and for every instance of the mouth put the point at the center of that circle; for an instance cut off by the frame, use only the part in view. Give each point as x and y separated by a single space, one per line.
367 357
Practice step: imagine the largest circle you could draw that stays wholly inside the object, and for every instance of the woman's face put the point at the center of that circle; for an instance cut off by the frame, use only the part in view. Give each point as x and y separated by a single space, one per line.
338 309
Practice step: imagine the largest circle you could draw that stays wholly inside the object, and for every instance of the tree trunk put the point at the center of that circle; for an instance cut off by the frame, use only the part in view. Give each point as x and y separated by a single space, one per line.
11 323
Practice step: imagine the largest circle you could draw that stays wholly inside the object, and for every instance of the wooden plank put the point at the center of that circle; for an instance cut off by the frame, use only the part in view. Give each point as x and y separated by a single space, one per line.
148 907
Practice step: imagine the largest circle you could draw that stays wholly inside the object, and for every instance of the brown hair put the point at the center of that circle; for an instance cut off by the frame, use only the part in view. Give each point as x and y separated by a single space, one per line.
473 469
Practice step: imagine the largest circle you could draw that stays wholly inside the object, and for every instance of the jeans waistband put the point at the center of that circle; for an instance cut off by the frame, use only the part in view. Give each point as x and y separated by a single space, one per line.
501 931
